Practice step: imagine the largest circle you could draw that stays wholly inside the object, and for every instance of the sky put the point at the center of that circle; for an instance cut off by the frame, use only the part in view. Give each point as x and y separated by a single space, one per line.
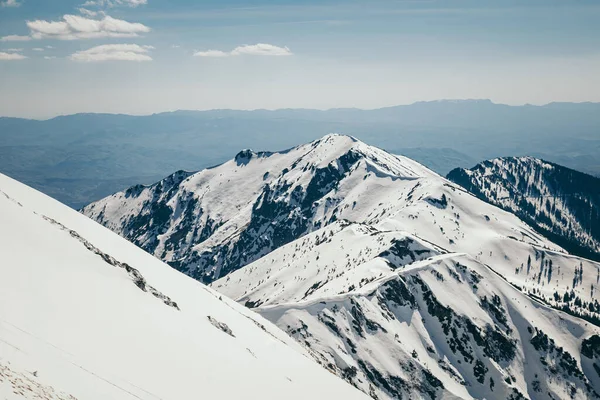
144 56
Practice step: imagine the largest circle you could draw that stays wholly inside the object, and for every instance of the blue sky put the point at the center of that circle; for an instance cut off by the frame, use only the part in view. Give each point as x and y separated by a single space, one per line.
144 56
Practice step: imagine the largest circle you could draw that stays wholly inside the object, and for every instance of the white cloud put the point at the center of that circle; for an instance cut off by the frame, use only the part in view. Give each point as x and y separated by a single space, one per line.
37 49
87 13
211 53
259 49
49 47
74 27
14 50
78 27
113 52
49 57
11 56
15 38
10 3
114 3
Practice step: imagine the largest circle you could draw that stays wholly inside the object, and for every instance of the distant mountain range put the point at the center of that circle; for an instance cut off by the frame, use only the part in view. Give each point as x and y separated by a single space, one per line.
395 279
562 204
82 158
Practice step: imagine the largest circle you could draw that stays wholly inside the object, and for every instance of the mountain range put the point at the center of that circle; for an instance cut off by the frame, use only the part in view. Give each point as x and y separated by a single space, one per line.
81 158
394 278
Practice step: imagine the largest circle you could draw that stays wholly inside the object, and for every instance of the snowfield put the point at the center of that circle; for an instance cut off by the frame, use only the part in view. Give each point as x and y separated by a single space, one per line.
84 314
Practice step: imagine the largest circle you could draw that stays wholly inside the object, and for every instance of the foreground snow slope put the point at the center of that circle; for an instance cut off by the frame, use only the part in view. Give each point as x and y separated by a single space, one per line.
401 318
86 315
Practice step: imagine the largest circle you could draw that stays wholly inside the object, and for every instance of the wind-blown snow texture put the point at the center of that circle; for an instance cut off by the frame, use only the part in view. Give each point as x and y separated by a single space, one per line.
84 314
561 203
391 276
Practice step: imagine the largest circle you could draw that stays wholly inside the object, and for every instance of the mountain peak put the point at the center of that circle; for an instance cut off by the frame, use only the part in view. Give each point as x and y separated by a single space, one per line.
333 144
306 185
338 138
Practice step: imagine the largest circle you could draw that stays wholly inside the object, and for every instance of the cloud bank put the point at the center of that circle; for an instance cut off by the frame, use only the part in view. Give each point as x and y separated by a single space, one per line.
113 52
259 49
73 27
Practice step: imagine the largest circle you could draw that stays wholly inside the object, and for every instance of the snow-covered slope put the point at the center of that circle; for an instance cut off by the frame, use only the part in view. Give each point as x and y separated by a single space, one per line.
84 314
562 203
401 318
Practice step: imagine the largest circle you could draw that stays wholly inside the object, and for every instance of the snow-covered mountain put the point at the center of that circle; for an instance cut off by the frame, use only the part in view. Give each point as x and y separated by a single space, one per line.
561 203
216 221
391 276
84 314
210 223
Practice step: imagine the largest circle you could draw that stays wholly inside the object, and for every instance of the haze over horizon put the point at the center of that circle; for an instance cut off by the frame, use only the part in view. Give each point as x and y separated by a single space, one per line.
146 56
142 114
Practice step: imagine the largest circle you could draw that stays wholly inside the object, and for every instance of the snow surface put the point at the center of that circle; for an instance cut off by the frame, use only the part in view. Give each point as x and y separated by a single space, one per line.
84 314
